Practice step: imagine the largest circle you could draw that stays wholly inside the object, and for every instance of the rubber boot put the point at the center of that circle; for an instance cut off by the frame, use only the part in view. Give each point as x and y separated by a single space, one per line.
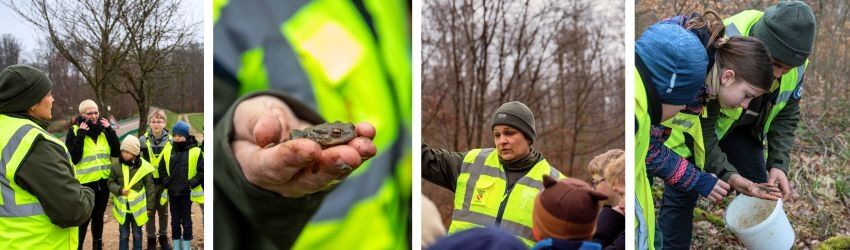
97 245
176 244
163 242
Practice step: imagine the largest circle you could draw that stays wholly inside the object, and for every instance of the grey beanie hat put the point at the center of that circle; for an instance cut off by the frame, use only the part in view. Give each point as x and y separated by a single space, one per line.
21 87
518 116
788 31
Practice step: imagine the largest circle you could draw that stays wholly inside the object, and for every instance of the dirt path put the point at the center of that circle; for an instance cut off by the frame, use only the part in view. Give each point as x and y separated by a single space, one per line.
110 230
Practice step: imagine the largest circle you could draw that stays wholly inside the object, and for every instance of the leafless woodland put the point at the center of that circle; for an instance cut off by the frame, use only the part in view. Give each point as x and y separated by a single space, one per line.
819 173
129 55
564 59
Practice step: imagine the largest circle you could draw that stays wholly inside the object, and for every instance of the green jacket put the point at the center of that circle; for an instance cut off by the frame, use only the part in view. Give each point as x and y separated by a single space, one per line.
246 216
116 181
780 138
50 177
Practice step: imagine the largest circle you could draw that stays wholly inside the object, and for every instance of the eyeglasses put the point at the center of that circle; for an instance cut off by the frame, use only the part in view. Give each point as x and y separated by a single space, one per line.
157 122
594 183
91 113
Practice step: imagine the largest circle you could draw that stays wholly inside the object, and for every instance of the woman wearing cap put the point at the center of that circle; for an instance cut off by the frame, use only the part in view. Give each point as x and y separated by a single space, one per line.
738 71
42 203
91 143
494 187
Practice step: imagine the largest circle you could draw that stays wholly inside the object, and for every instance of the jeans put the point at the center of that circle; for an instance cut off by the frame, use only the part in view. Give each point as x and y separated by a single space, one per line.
124 234
676 217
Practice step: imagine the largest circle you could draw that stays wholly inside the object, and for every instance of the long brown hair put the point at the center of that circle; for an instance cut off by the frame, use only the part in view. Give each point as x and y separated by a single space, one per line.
710 20
749 59
747 56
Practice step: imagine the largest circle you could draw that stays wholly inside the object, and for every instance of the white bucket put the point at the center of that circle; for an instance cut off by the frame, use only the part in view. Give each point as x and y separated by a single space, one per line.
759 224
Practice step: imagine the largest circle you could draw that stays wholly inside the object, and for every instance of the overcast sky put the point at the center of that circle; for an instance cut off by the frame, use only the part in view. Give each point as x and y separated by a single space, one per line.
12 23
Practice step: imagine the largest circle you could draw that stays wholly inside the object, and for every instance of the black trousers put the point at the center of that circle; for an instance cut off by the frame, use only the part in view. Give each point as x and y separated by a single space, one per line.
181 217
745 152
101 197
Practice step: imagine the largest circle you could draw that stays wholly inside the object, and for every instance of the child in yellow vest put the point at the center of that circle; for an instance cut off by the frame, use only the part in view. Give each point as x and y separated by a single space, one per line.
182 177
131 182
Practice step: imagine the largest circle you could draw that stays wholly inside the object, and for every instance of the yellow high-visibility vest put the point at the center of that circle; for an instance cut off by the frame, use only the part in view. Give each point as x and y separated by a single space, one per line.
23 223
135 202
94 165
482 197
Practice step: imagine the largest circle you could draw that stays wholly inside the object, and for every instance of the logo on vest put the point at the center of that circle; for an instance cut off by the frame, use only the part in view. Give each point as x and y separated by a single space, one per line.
480 197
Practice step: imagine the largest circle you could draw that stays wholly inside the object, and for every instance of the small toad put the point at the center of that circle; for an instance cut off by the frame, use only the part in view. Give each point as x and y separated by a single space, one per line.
326 134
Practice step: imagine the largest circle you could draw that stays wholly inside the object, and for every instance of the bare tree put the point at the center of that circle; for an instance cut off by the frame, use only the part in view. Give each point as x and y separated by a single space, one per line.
10 51
561 58
86 32
564 59
154 32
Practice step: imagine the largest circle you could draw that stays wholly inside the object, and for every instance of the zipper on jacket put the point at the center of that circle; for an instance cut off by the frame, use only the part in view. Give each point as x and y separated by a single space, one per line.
504 203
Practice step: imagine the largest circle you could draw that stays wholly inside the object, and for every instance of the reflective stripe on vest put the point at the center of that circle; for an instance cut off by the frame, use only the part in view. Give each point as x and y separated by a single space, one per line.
156 158
482 190
22 218
740 25
95 161
644 205
136 201
685 129
196 193
344 58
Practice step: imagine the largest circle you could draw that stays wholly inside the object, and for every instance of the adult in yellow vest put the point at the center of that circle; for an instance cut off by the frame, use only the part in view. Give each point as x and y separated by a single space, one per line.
494 186
328 60
670 65
738 71
156 147
131 182
92 143
41 203
766 127
182 177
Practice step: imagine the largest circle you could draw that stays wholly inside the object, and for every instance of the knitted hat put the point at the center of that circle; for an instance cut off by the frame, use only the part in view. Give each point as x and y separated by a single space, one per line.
131 144
676 61
88 103
480 238
180 128
566 210
21 87
788 31
518 116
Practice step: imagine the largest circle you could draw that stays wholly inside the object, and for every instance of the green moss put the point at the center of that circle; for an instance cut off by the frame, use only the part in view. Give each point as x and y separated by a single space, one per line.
836 242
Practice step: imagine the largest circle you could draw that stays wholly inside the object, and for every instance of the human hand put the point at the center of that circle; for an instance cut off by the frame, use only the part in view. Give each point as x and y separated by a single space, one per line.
104 122
84 125
777 177
720 190
291 168
758 190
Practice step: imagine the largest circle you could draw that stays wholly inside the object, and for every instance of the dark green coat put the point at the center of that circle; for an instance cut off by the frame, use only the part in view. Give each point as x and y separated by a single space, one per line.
49 175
